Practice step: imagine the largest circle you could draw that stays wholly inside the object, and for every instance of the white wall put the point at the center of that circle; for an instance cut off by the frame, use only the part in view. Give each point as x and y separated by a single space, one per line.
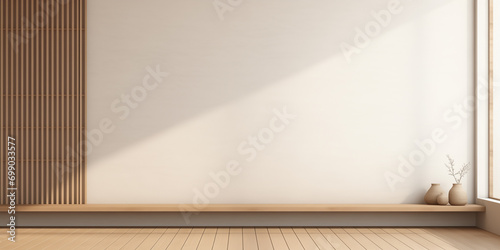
355 120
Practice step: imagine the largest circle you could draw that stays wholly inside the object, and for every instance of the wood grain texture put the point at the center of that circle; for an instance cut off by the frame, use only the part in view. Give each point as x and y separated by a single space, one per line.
164 241
263 239
277 238
42 67
207 239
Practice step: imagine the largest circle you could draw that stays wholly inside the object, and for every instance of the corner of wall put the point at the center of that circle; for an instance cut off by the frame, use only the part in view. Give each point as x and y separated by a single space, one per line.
489 220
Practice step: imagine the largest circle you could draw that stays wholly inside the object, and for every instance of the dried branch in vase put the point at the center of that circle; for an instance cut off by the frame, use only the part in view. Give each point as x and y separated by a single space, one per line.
458 175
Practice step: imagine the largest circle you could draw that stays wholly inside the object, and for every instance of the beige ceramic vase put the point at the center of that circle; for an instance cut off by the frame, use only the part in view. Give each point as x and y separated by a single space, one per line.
457 195
442 199
433 193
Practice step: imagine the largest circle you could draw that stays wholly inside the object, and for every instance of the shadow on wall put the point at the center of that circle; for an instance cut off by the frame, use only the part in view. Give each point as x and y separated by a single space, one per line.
354 72
212 62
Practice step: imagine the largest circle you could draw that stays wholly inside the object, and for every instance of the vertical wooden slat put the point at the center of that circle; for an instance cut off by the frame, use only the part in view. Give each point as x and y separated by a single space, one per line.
58 79
61 96
20 111
36 105
45 114
17 98
50 97
10 73
21 99
24 109
79 112
33 171
71 100
83 168
6 72
3 189
16 102
71 74
37 111
74 118
76 144
40 109
62 80
17 108
24 128
18 56
80 130
65 111
50 114
36 173
29 101
8 66
12 77
29 107
7 80
14 93
27 98
79 104
67 72
29 93
14 84
76 100
5 93
27 112
3 186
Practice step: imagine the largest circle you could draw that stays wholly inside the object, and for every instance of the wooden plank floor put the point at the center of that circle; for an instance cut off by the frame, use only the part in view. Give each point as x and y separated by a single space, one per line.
252 238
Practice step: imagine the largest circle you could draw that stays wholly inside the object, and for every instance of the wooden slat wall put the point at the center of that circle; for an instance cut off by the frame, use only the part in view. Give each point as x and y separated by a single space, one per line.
43 76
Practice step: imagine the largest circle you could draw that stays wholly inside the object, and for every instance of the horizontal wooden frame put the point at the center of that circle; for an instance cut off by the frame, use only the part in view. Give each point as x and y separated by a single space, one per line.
247 208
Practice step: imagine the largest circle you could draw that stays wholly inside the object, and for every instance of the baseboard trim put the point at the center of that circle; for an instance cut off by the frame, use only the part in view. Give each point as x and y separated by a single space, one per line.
244 219
141 208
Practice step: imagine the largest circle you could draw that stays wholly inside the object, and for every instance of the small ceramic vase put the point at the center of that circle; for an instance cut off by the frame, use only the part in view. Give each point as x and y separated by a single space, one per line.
442 199
432 194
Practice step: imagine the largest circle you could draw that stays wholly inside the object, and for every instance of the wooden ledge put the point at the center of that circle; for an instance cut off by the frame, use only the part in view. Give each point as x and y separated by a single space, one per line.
247 208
